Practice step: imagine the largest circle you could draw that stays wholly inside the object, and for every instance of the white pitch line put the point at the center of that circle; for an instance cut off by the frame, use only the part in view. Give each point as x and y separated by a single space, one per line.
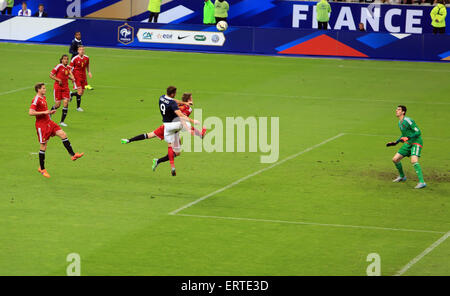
423 254
15 90
254 174
368 68
310 223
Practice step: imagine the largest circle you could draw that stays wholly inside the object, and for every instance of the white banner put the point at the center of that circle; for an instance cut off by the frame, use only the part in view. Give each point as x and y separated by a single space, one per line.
181 37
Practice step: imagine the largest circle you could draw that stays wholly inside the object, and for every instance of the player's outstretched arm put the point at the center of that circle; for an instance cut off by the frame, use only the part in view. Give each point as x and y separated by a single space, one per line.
392 143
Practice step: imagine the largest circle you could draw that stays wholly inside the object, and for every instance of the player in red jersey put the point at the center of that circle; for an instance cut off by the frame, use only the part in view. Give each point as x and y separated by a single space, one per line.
79 66
185 108
46 128
61 74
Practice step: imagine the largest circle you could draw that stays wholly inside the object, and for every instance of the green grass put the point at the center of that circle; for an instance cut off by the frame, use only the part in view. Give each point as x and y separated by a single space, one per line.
114 211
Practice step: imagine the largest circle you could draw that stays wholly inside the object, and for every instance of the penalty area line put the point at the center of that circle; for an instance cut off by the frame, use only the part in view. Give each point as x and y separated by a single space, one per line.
310 223
423 254
254 174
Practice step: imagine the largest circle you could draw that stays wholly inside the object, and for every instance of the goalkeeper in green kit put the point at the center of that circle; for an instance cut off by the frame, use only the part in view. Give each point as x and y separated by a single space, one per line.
412 146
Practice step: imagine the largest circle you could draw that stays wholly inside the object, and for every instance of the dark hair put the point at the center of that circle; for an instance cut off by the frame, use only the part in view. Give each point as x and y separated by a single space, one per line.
186 97
403 108
64 55
77 32
24 2
38 86
41 4
171 90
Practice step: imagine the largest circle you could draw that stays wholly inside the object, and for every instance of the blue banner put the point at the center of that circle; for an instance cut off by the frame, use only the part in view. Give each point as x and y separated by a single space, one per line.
409 19
190 37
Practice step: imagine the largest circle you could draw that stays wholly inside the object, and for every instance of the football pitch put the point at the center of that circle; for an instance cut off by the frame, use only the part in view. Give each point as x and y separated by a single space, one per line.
320 209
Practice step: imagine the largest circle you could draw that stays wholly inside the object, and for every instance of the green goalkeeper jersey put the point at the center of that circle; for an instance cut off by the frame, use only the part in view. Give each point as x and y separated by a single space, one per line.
409 129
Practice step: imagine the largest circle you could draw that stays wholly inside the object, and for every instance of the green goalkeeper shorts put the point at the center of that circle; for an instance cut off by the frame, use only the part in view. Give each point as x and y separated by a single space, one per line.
410 149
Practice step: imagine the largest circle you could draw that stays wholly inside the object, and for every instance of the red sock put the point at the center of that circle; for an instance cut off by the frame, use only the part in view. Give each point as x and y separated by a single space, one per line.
196 132
170 153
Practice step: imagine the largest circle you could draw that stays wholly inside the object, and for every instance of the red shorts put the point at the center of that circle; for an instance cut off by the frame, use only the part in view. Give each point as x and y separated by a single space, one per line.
46 130
60 93
80 82
159 132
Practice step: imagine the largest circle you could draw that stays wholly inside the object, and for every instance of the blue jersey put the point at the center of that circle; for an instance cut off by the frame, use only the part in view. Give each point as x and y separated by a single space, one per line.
167 107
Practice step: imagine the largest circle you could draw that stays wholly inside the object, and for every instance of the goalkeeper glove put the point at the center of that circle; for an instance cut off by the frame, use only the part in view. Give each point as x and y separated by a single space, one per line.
404 139
391 143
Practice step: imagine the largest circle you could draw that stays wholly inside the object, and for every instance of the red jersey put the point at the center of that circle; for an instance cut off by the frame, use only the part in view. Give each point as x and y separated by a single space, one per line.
40 104
61 72
79 65
185 109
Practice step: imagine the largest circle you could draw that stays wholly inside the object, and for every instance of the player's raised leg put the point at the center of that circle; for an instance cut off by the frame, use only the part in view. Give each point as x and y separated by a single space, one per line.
139 138
67 145
397 162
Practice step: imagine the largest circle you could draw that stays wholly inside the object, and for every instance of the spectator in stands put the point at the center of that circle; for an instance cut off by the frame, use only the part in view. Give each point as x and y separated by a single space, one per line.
154 6
323 10
41 12
9 7
438 15
361 27
24 11
208 13
221 8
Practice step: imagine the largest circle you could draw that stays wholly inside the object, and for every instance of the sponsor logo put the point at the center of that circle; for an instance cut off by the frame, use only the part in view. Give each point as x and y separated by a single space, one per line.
147 35
164 36
200 37
215 38
125 34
